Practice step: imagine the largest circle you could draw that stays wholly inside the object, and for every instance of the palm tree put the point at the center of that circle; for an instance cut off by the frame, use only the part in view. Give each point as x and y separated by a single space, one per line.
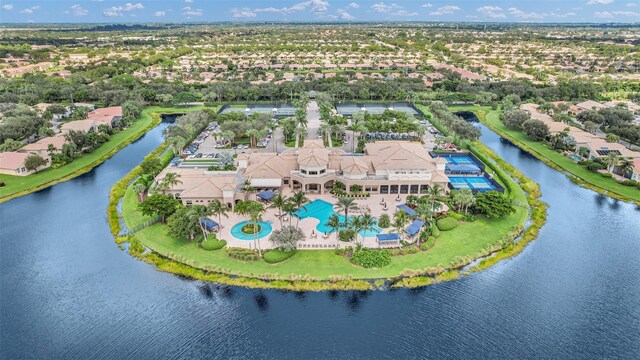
278 202
400 220
169 181
253 135
325 128
464 199
434 191
197 214
334 223
289 207
367 223
139 188
612 160
298 200
219 209
247 188
346 204
626 166
256 213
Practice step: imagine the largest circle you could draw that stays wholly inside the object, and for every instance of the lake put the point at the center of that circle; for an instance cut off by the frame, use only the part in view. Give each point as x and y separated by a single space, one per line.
68 292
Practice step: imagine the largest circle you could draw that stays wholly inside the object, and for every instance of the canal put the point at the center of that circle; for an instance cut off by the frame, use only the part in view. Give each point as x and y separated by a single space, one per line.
68 292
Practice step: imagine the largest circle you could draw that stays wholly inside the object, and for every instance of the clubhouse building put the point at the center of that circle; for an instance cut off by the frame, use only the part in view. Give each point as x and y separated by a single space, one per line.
386 167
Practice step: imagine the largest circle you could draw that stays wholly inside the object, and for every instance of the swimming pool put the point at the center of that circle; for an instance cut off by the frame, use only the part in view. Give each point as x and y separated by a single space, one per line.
474 183
322 210
236 231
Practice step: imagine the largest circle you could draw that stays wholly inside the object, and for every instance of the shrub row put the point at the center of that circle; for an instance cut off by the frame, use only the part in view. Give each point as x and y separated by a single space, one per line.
212 243
404 251
446 223
369 258
428 244
243 254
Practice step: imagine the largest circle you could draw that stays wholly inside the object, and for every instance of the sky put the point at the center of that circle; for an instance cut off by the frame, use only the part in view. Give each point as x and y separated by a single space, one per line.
114 11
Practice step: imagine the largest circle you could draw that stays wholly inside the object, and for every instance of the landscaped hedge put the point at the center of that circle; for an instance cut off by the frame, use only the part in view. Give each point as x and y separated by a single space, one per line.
428 244
369 258
211 243
276 256
243 254
446 223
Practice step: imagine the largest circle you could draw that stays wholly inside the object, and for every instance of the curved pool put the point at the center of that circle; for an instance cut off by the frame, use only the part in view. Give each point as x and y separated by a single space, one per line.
236 231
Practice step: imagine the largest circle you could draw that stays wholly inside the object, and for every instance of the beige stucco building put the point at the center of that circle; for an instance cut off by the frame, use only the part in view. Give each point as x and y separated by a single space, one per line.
386 167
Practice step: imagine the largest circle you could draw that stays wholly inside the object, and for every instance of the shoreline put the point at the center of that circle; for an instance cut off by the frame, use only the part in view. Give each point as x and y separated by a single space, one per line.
179 265
154 120
572 176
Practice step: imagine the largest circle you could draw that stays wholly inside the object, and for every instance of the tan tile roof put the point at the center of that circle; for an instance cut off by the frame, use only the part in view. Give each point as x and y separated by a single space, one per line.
43 144
12 160
399 155
313 157
353 165
270 165
79 125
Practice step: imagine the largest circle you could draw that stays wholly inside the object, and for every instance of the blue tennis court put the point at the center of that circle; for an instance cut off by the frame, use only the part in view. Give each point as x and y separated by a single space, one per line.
460 160
479 183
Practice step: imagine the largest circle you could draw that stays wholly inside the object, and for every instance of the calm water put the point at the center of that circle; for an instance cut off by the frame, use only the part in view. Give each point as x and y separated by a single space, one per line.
68 292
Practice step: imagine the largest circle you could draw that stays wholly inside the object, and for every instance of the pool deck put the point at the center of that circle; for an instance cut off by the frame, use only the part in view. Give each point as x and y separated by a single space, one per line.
309 224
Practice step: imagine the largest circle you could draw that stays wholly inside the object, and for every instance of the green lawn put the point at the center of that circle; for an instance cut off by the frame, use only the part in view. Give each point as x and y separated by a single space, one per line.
22 185
130 207
540 150
464 240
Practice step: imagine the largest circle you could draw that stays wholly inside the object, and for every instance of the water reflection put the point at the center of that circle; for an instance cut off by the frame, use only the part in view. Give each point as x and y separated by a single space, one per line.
261 301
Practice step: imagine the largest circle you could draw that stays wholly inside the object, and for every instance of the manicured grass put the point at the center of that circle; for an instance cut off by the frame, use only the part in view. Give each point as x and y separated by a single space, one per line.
541 151
275 256
22 185
464 240
132 216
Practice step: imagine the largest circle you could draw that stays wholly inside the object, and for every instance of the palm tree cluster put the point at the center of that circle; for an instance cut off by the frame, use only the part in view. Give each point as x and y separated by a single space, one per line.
331 126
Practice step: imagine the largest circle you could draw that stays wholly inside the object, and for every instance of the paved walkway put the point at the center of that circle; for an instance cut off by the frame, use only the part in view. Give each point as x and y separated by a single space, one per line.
313 120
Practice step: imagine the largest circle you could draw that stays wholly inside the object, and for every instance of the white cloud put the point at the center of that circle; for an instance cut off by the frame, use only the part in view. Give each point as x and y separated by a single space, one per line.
189 1
344 15
445 10
118 10
384 8
242 13
29 10
626 13
7 7
517 13
353 6
603 14
317 6
493 12
632 4
189 11
404 13
599 2
77 10
160 13
427 5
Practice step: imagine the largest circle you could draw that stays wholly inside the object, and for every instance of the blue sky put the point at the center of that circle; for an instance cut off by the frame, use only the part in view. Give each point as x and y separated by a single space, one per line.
111 11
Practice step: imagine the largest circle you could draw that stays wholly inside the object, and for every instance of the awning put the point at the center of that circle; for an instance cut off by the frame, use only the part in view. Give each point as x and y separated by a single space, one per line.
388 237
409 211
266 195
414 227
266 182
208 223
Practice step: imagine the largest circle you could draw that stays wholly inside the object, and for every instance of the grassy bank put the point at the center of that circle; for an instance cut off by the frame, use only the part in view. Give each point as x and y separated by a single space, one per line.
17 186
577 173
307 269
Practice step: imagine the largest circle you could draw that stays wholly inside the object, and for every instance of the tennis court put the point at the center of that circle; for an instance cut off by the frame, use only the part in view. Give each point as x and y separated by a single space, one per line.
374 108
274 109
479 183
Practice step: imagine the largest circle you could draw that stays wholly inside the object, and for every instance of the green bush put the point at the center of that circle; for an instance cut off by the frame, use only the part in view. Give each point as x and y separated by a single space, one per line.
435 231
594 166
446 223
404 251
629 183
456 215
243 254
211 243
428 244
346 235
369 258
276 256
607 175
